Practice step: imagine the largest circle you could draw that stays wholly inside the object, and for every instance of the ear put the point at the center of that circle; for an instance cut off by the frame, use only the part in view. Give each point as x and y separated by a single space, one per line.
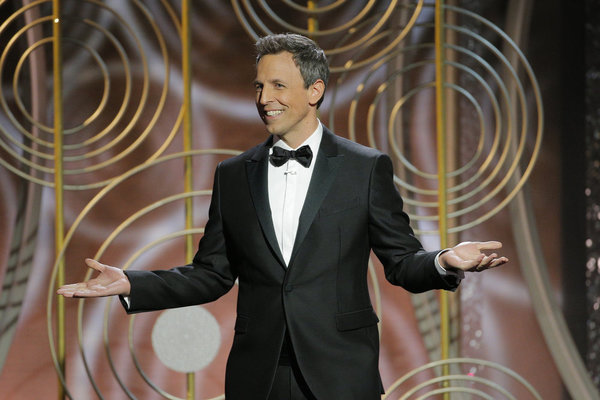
315 92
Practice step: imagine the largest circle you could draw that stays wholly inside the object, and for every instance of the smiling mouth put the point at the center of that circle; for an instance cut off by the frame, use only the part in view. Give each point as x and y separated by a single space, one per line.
273 113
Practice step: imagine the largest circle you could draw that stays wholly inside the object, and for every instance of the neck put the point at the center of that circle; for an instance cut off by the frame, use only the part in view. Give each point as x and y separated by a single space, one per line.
295 139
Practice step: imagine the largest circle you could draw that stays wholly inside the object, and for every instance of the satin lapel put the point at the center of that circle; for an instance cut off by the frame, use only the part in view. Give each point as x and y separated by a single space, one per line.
324 173
257 172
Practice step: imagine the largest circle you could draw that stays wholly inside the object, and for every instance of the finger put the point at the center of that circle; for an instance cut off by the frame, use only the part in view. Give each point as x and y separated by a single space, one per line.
71 289
65 292
469 265
94 264
487 260
91 292
483 264
489 245
498 262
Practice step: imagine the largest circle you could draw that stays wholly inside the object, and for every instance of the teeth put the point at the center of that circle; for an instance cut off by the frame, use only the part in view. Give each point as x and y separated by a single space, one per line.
273 113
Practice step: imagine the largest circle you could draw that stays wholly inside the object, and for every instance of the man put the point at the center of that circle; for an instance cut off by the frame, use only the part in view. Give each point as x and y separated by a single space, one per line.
297 233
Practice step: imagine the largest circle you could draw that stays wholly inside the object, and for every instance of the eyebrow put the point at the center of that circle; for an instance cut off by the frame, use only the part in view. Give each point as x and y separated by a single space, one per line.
276 80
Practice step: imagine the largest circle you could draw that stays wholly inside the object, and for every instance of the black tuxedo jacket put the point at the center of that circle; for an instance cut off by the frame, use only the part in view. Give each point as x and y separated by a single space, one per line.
321 298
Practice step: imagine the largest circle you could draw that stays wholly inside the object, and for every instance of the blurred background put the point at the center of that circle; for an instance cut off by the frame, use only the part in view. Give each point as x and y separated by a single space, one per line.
114 114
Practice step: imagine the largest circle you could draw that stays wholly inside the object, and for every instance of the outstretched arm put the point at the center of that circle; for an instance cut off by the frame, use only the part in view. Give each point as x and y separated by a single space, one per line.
109 282
471 256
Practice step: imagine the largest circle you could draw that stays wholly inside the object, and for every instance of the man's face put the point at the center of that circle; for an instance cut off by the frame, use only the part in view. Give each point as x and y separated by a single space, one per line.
283 103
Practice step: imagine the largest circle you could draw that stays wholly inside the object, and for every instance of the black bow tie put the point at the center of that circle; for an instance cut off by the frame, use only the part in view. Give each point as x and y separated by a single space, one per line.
303 155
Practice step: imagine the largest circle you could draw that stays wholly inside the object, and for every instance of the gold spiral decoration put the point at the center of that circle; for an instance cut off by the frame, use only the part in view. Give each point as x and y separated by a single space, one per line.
108 135
136 217
509 137
342 27
465 383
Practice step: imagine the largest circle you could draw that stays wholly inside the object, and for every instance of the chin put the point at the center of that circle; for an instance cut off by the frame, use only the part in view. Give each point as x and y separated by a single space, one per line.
273 130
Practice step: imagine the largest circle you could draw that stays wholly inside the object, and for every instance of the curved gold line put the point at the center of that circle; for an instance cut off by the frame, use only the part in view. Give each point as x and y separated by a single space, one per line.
449 378
174 16
30 178
150 124
104 246
553 325
475 176
504 155
370 119
142 212
370 128
448 390
42 126
130 261
407 164
242 19
107 189
126 129
498 120
465 360
43 41
479 150
361 86
5 107
132 122
519 150
364 11
45 128
127 95
314 10
143 97
350 65
255 19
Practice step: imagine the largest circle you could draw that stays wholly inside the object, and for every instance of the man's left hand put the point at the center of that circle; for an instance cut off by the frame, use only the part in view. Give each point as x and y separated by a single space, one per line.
471 256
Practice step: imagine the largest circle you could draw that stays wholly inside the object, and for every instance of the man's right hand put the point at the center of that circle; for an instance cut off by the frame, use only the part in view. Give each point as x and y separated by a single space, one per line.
109 282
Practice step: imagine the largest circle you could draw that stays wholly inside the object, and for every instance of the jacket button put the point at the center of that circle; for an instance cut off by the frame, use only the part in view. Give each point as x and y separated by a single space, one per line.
288 288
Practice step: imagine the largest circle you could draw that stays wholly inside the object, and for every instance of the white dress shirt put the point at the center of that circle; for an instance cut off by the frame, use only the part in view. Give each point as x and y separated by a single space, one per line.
288 185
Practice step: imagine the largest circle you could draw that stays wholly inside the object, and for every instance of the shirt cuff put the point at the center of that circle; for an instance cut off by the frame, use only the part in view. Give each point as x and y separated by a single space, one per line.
459 274
126 302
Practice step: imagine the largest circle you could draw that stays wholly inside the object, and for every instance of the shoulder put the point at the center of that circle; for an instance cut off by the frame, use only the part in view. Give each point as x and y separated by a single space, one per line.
253 154
352 149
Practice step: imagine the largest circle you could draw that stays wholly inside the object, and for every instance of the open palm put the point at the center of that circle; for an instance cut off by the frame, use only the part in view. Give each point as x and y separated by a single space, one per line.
110 281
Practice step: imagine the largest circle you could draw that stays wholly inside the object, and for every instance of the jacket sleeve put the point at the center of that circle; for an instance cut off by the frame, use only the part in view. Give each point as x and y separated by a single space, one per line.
207 278
392 239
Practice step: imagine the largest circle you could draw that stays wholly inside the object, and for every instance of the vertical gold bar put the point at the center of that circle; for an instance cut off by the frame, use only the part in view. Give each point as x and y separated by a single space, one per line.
441 161
187 146
451 107
187 122
191 385
58 185
313 24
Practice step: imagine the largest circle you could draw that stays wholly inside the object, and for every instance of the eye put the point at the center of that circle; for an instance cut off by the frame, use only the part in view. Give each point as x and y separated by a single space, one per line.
258 87
279 85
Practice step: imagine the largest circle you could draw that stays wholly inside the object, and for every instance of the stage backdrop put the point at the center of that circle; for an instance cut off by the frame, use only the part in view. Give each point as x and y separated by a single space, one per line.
114 114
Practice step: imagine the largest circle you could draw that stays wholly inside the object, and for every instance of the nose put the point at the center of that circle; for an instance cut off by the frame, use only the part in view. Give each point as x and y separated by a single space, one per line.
265 96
